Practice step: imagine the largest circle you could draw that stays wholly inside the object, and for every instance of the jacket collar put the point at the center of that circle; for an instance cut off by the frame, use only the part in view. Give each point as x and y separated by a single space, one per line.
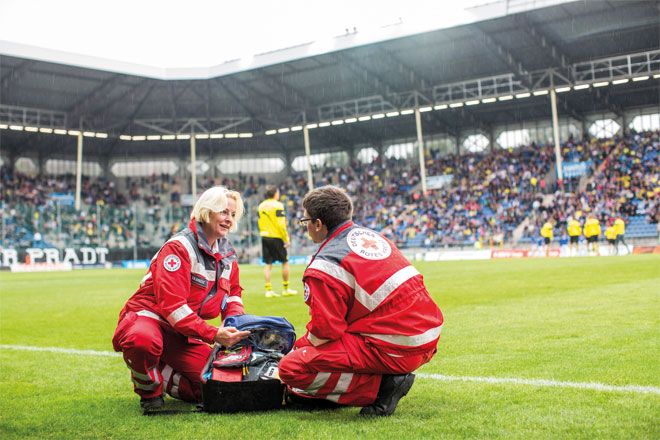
202 241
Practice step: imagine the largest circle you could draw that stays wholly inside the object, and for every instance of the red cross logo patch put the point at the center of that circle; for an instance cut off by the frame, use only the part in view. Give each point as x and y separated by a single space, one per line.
369 244
172 263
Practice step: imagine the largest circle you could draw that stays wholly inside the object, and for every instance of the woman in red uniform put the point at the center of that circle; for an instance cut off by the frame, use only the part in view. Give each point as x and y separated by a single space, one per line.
162 331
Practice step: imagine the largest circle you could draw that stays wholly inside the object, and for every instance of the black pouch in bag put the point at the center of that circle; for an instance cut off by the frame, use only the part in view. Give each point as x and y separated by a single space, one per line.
245 377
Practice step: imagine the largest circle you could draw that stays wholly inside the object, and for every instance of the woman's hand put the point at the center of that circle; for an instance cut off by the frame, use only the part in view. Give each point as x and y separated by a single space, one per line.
228 336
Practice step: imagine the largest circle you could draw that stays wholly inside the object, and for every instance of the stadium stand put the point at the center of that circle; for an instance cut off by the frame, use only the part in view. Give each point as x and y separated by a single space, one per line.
485 119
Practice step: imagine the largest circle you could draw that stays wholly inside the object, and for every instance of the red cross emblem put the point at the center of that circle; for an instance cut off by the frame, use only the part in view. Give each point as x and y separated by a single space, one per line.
172 263
369 244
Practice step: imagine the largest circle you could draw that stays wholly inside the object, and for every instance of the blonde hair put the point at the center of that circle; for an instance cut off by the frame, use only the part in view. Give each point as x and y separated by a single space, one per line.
215 200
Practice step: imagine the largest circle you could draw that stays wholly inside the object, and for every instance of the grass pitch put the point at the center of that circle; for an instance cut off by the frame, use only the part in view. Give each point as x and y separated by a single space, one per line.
572 320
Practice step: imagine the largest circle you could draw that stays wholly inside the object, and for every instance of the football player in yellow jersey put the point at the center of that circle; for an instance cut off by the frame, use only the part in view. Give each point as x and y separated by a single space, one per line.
620 228
610 234
274 239
548 234
592 233
574 231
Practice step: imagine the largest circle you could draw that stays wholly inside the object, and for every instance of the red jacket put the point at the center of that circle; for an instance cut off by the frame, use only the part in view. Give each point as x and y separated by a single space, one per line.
359 282
188 283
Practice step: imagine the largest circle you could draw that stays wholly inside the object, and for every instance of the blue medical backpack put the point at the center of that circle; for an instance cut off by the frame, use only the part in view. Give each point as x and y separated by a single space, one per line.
244 377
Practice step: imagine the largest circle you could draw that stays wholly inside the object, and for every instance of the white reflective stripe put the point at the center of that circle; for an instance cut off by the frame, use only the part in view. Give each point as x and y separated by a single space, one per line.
342 385
234 299
191 252
174 392
167 374
149 314
145 278
370 301
316 341
317 384
408 341
144 387
140 376
179 314
156 374
226 274
199 270
334 271
390 285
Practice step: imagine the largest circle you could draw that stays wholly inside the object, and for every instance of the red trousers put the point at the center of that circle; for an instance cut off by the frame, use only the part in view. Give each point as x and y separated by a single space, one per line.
160 359
346 371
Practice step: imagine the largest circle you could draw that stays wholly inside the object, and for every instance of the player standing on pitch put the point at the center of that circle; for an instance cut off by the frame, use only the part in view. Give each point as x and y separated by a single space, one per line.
274 240
372 320
162 330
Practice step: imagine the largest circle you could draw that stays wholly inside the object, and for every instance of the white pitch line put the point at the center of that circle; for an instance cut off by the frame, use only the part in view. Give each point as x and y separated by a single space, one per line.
441 377
61 350
642 389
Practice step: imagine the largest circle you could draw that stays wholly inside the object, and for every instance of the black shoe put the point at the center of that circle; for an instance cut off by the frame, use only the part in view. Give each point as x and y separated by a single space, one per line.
392 389
152 403
296 402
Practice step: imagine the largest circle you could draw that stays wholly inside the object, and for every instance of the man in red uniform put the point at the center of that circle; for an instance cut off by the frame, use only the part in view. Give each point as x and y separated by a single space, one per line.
162 330
372 320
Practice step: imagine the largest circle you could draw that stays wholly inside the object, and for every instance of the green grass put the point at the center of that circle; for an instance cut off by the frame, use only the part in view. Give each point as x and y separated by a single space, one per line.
579 320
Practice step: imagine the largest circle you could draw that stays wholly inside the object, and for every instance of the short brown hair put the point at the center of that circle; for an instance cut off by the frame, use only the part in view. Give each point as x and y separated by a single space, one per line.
271 190
330 204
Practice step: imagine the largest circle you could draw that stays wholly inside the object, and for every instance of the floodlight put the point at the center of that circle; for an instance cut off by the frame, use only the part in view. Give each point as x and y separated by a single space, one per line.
284 130
640 78
488 100
620 81
41 130
562 89
235 135
16 127
378 116
581 87
456 105
102 135
440 107
472 102
523 95
310 126
350 120
201 136
244 135
391 114
270 132
139 138
74 132
168 137
89 134
425 109
407 111
182 136
296 128
337 122
324 124
32 129
364 118
216 135
540 92
603 83
506 98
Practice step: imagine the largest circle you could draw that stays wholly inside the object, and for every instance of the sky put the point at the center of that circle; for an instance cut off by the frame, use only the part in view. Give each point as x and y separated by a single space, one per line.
202 33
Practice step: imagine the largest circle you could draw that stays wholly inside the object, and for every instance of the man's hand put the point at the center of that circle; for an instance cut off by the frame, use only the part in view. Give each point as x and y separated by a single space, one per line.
228 336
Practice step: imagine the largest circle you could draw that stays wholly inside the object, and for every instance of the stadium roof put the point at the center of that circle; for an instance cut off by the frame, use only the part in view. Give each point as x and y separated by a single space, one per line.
476 63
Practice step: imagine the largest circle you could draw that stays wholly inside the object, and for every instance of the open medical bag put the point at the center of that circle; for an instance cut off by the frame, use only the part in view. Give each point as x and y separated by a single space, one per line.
245 377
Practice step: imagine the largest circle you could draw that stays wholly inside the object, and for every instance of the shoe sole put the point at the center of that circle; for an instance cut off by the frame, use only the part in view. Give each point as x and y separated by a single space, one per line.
398 394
